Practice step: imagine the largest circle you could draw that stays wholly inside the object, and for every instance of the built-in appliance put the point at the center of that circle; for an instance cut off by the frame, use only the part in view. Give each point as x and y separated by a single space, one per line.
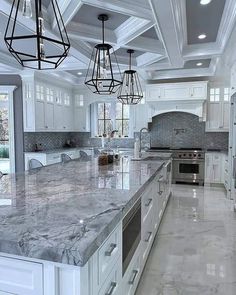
131 234
188 166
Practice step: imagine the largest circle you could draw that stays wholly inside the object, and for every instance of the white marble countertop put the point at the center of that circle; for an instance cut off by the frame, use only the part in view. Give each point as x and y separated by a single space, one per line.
64 212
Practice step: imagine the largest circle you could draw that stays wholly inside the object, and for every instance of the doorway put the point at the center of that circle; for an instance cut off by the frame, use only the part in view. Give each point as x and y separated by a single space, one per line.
7 143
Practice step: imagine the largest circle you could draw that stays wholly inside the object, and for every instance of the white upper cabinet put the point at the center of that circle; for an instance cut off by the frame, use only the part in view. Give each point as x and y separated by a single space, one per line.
218 108
177 91
81 114
47 107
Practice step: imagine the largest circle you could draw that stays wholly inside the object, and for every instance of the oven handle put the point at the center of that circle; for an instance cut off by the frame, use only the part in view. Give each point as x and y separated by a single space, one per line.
192 161
135 272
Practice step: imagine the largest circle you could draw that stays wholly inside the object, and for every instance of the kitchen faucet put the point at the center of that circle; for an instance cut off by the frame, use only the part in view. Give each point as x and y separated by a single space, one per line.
140 139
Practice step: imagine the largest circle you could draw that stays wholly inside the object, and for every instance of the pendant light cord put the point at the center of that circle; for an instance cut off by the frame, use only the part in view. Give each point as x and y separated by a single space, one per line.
103 31
130 56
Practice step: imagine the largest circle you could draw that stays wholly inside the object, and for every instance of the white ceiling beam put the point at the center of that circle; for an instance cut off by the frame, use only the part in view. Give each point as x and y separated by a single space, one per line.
227 23
201 51
146 45
68 9
166 26
147 59
125 7
131 29
183 73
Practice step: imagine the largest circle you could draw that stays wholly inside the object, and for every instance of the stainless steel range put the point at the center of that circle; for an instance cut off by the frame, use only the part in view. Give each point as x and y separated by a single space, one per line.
188 166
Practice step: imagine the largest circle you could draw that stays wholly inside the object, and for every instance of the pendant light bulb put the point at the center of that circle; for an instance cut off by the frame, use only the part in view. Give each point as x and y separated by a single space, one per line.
27 9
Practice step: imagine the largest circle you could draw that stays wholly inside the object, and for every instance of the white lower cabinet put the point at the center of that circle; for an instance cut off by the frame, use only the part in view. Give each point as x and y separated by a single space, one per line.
216 169
132 275
102 274
20 277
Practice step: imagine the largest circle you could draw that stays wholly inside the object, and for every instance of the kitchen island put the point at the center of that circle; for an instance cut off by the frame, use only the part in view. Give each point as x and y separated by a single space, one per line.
61 225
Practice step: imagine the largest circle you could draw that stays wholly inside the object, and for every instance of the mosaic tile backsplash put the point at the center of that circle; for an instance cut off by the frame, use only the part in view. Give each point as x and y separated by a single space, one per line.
183 130
174 130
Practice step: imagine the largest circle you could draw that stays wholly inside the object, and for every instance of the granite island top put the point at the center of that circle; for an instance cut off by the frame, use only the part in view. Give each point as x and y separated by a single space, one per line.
64 212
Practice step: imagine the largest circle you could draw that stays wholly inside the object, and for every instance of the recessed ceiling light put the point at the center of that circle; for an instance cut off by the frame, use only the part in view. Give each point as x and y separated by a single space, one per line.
79 73
205 2
202 36
199 64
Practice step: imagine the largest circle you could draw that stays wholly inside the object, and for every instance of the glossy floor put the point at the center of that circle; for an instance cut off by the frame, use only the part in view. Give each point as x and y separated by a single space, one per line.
195 250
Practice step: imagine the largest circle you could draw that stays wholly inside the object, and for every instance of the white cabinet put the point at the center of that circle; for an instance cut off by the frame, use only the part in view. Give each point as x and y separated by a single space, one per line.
214 167
47 107
20 277
218 110
177 91
140 114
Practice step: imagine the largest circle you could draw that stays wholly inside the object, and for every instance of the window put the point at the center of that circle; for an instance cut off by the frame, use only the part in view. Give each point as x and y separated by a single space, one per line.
39 92
122 119
113 116
79 100
66 99
104 119
226 94
214 94
49 95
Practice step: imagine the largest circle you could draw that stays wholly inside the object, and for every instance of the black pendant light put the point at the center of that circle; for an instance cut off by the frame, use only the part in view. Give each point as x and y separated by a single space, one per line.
35 48
100 77
130 91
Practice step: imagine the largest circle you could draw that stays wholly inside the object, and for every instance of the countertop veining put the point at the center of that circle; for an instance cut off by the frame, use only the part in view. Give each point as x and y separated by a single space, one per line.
64 212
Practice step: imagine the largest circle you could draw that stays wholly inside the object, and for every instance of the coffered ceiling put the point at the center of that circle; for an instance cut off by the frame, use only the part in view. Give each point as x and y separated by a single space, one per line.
164 35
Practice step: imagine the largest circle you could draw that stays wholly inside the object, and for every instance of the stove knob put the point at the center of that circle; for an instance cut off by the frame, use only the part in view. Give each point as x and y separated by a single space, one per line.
184 155
199 155
190 155
180 156
195 155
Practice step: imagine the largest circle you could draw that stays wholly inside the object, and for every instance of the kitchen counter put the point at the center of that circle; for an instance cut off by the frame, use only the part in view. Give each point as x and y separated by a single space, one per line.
64 212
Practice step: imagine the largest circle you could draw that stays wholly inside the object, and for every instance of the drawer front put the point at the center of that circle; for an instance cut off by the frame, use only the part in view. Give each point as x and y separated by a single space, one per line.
148 235
112 285
20 277
132 274
108 253
147 203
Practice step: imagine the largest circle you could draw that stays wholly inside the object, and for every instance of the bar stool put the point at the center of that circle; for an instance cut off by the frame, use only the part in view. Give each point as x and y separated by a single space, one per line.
65 158
1 174
34 164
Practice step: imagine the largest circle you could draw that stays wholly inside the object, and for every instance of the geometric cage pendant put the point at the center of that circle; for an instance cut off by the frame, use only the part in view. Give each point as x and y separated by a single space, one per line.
36 48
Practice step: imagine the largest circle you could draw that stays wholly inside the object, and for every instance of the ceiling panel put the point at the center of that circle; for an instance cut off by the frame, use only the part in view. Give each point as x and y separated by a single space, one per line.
151 33
89 15
123 52
203 19
191 64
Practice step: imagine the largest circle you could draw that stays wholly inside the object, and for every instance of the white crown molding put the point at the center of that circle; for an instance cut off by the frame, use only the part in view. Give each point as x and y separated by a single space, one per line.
147 59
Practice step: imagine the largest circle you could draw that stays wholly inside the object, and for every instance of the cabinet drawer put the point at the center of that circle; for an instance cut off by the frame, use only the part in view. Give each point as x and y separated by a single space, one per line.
132 274
147 203
108 253
21 277
148 234
112 285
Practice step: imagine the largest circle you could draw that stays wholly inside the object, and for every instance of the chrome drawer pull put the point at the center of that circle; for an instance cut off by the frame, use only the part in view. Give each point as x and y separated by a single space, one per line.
160 179
149 237
112 288
160 193
112 248
135 272
148 203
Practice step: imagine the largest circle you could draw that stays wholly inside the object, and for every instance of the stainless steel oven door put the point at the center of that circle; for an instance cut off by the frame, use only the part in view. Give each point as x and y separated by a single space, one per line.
188 170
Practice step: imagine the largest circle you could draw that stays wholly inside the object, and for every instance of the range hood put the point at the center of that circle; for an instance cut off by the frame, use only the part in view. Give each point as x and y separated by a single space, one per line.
195 107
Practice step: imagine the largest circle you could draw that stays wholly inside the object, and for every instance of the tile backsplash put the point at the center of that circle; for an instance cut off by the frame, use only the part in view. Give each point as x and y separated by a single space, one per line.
183 130
174 130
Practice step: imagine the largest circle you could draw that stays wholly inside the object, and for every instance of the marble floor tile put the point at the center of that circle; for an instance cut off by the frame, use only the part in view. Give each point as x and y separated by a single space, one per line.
194 252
